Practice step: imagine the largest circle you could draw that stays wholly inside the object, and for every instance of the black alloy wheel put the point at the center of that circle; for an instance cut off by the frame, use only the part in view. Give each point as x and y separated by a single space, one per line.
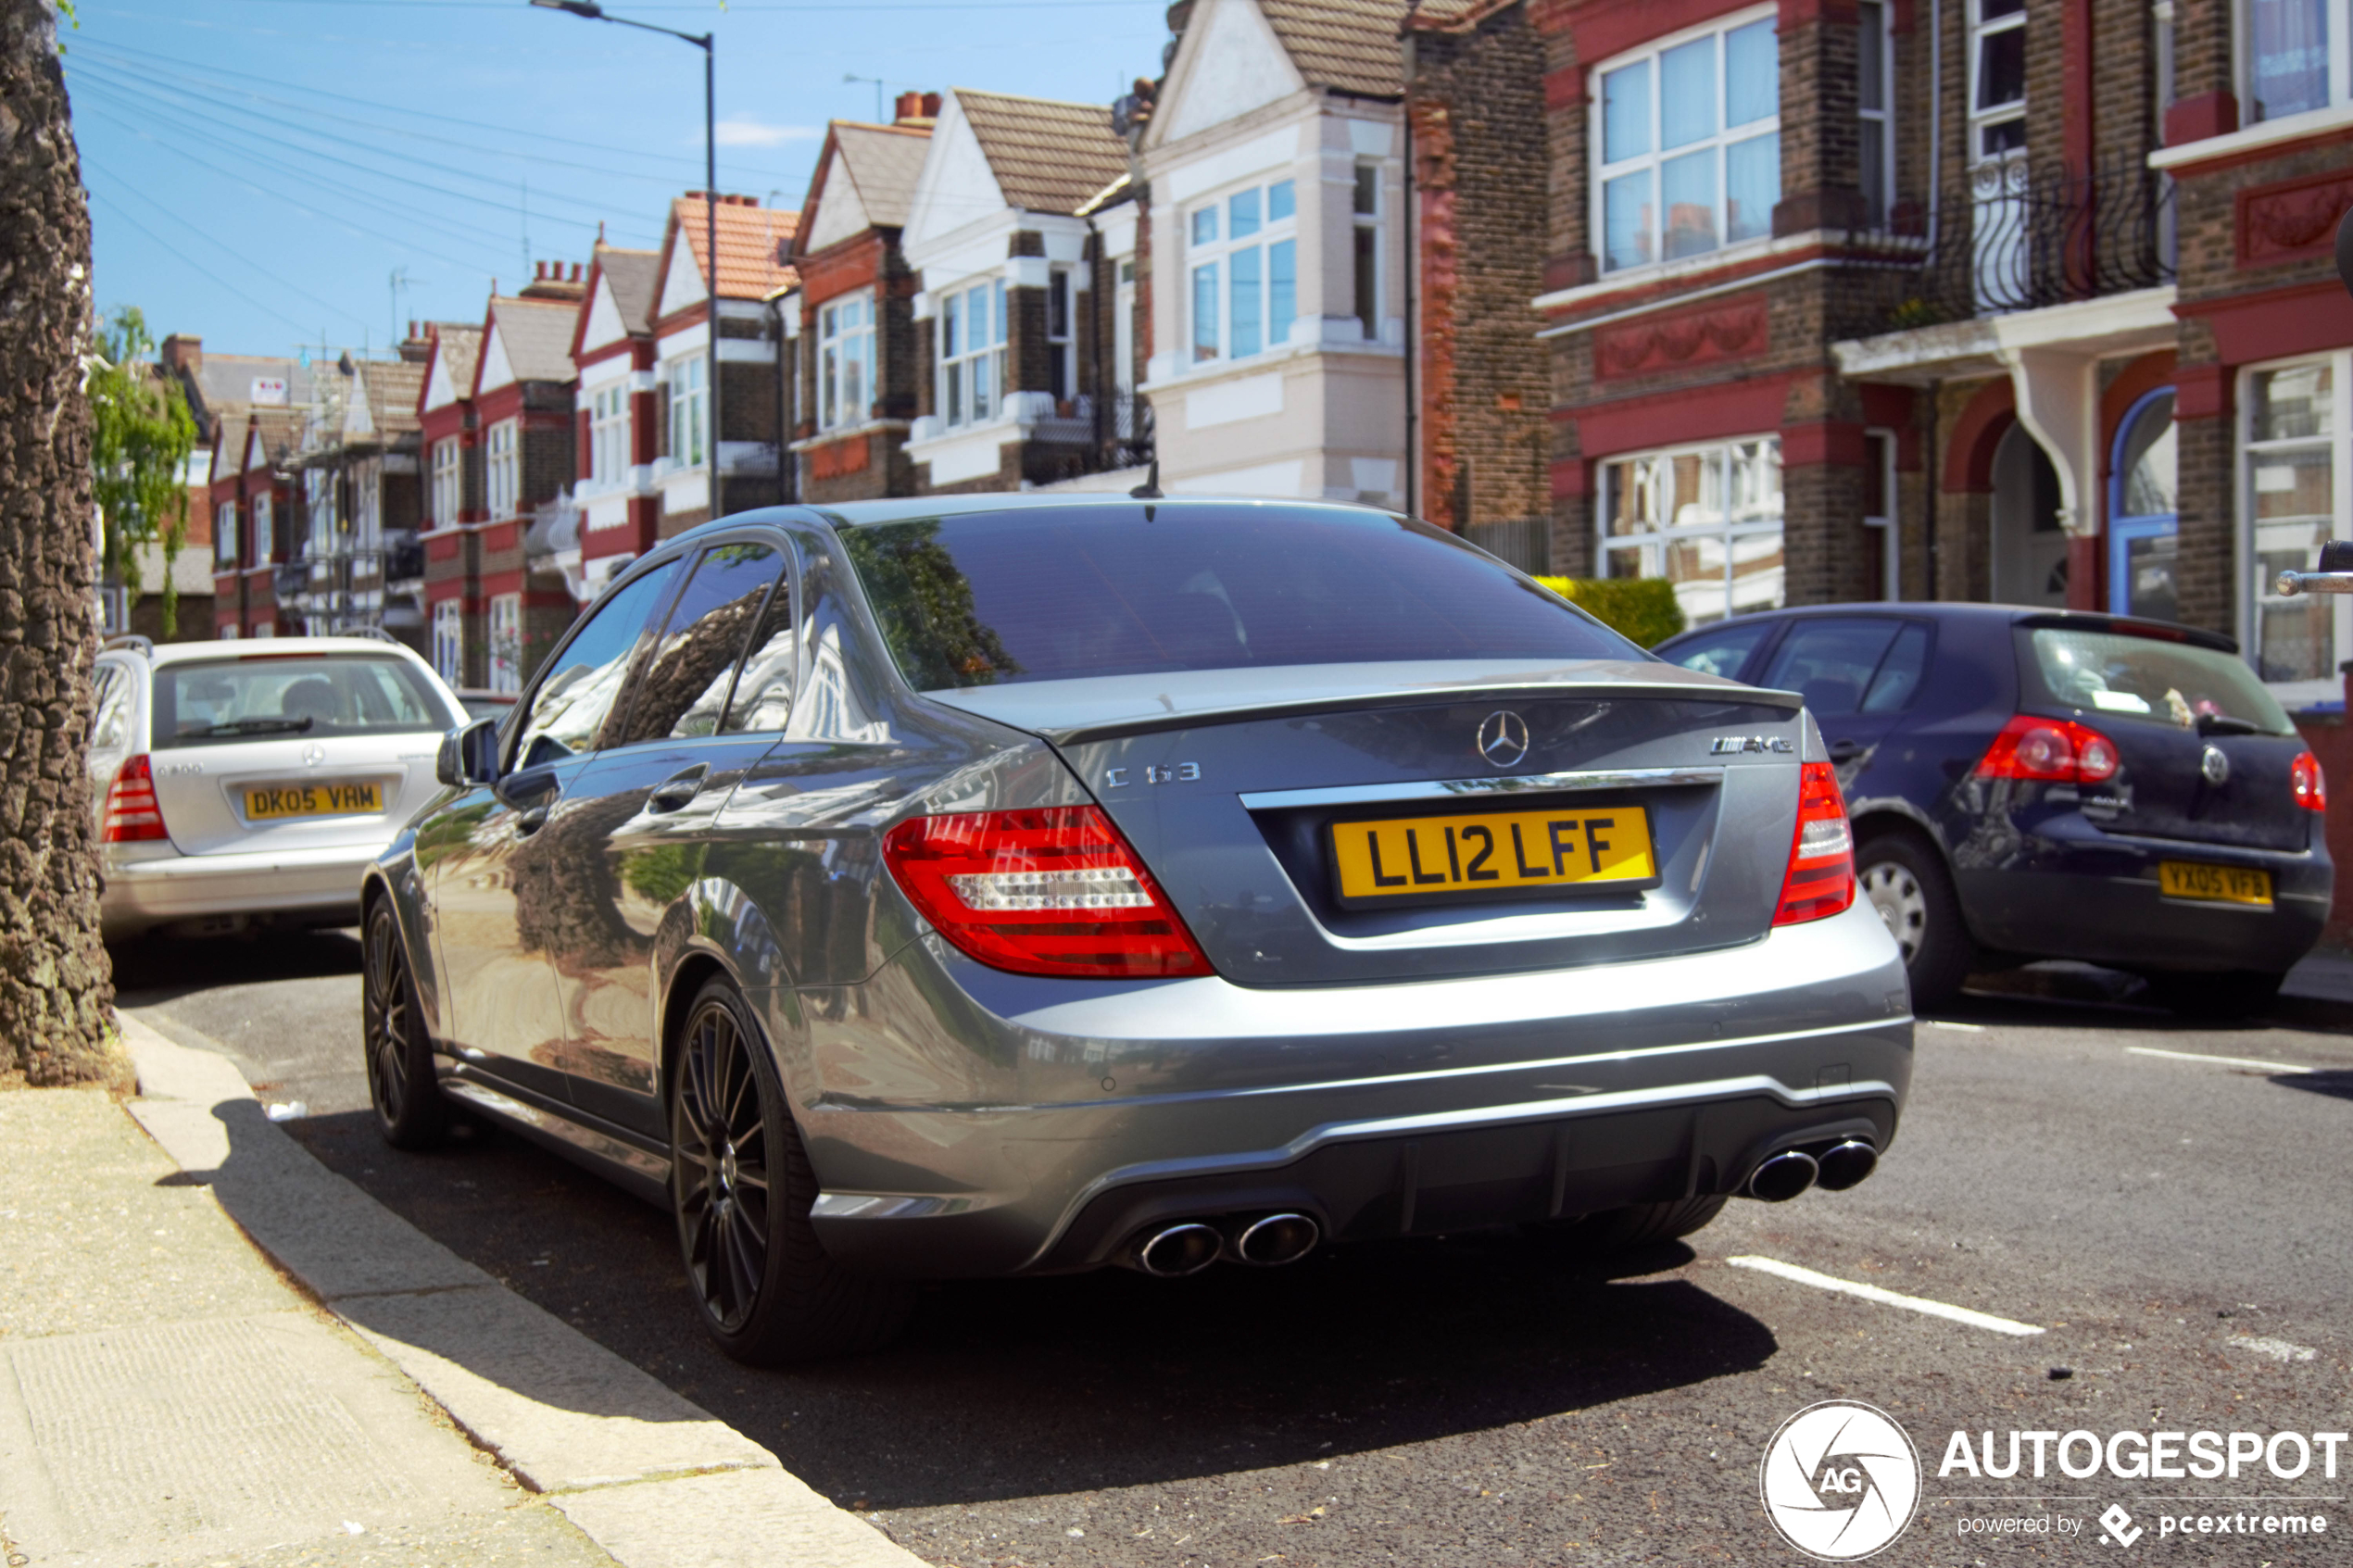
411 1112
741 1186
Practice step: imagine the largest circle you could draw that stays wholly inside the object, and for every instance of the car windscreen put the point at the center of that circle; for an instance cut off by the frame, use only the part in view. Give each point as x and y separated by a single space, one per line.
214 702
2121 677
1062 592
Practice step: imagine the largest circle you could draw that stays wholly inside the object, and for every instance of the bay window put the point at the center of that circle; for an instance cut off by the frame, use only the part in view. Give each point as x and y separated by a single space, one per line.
502 470
506 642
1997 79
2295 56
265 530
1365 258
1688 144
609 433
1061 364
2297 497
1707 517
689 413
224 533
972 352
846 361
1243 254
450 641
448 482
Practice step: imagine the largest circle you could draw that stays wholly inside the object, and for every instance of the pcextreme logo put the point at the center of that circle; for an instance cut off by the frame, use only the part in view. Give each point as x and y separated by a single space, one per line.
1840 1480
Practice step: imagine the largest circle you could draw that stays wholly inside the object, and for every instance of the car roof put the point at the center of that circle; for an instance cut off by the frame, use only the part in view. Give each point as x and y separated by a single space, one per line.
267 648
922 507
1938 610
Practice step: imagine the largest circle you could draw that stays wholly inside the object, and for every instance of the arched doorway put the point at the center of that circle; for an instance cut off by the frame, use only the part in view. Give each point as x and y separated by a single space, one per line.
2141 511
2030 547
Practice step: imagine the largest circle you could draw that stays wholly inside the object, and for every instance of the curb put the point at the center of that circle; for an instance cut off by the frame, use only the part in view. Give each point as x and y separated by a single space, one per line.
653 1479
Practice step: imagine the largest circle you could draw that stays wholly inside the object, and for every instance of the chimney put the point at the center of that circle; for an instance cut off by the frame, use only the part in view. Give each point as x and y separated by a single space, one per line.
416 349
181 352
552 283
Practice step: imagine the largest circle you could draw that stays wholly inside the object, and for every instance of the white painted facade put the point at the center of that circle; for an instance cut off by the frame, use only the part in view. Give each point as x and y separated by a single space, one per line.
1313 405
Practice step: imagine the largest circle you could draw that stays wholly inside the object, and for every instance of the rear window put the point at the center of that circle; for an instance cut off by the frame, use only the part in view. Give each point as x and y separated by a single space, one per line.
2162 683
234 699
1051 595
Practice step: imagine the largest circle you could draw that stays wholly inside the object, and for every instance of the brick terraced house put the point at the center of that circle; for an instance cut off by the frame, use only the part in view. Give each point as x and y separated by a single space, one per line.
523 405
618 437
224 393
359 499
450 441
2015 300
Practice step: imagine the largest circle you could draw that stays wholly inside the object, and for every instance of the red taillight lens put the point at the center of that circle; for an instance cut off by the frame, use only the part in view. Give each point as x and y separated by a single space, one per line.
2052 750
2311 788
132 814
1055 890
1821 881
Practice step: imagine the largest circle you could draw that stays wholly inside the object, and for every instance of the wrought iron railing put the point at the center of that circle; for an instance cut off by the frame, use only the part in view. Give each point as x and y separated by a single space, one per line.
1099 436
404 559
2021 238
1123 430
291 580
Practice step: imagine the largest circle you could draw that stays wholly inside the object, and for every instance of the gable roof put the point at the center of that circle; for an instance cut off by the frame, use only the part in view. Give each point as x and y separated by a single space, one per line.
753 242
229 442
884 161
393 386
1348 44
630 274
455 351
1047 156
536 335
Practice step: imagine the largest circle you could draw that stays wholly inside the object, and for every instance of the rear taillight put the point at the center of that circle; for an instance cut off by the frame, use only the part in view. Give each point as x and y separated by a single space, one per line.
133 815
1055 890
2052 750
2311 788
1821 881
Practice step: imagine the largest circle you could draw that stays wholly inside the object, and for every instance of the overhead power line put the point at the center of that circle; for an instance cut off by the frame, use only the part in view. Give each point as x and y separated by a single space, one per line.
196 267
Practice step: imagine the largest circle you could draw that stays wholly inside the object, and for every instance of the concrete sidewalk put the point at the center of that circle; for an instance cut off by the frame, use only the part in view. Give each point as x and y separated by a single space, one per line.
168 1397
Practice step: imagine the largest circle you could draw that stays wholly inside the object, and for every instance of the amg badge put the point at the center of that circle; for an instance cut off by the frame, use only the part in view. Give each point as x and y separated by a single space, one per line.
1726 745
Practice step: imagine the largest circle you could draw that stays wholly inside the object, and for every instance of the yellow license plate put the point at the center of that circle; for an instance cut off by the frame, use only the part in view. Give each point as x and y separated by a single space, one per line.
274 801
1494 852
2220 884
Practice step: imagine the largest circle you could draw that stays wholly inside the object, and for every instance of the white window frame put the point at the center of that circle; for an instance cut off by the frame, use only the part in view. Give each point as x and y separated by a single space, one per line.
265 529
960 402
689 411
502 469
2337 15
1220 251
1877 44
609 433
506 642
1654 159
845 361
228 631
1983 119
224 533
1062 343
2255 575
1729 529
319 510
1879 451
450 640
1367 302
367 505
449 481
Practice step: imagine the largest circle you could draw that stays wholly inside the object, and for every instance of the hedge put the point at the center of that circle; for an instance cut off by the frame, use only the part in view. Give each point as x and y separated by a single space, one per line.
1642 609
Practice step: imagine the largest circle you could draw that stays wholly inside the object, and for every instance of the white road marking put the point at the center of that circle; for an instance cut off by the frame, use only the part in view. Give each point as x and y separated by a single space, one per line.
1885 1297
1946 1024
2223 1060
2278 1349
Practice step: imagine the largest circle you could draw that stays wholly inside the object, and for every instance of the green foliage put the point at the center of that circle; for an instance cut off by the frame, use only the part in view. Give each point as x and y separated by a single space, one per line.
924 603
1641 609
660 875
141 434
1914 312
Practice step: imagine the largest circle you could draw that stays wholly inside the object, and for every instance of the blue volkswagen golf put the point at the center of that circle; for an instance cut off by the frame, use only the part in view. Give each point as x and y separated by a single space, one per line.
2029 785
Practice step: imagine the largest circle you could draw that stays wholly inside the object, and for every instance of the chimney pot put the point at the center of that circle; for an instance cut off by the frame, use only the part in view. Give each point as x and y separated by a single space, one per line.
931 105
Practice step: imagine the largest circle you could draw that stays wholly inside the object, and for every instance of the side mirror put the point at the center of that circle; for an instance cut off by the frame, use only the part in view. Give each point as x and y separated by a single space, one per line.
469 755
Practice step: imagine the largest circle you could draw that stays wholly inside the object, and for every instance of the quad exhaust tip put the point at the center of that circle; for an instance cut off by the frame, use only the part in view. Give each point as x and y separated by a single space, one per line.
1173 1251
1843 1165
1783 1176
1277 1239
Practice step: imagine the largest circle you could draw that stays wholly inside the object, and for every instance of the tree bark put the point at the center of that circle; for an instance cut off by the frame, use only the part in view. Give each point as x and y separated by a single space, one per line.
56 992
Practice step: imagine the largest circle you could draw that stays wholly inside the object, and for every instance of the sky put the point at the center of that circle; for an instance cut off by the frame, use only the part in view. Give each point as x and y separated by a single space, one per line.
272 175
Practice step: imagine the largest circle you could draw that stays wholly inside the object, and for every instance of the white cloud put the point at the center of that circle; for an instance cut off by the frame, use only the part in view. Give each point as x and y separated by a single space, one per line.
740 131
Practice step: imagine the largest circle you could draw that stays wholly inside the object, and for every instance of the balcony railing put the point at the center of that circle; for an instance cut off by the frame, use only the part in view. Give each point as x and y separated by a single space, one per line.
2021 239
291 581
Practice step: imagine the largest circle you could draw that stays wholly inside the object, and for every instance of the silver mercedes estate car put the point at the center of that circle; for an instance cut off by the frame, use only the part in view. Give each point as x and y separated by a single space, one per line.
1016 885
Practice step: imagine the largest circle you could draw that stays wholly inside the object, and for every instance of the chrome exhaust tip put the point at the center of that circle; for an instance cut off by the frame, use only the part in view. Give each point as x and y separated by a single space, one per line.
1277 1239
1173 1251
1783 1176
1845 1164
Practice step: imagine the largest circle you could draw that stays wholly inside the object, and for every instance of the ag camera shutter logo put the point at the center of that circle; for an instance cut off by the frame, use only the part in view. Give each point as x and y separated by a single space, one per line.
1840 1480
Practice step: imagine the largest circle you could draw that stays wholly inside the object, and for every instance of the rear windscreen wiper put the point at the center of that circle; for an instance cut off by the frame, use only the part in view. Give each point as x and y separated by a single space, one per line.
253 727
2223 725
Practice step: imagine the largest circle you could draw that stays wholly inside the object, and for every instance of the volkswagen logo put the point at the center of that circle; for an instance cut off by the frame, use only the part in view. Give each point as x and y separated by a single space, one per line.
313 754
1503 738
2215 766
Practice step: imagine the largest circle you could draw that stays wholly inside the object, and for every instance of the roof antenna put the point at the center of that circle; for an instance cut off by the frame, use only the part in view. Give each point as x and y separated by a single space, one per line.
1150 489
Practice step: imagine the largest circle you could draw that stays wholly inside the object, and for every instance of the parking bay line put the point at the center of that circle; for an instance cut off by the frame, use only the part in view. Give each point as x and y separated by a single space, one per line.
2223 1061
1885 1297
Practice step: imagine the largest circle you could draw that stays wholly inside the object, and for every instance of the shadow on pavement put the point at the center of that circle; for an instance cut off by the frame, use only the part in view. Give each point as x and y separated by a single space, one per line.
154 969
2337 1086
2074 995
1015 1389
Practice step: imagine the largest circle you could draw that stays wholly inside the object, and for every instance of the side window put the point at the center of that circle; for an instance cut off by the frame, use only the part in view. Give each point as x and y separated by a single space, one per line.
1899 674
576 691
764 691
1831 661
1723 651
682 690
109 727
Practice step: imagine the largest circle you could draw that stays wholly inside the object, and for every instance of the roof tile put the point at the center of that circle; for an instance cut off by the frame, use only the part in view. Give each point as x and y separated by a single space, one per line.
1047 156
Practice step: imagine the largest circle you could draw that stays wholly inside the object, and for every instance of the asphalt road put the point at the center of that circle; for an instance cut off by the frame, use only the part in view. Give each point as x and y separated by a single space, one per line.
2177 1228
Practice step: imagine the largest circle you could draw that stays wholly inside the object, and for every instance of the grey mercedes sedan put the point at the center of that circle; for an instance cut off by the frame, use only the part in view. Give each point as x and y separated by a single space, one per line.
1016 886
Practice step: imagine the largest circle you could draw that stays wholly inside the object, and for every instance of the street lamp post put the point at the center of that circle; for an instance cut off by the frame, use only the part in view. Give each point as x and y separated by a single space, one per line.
705 42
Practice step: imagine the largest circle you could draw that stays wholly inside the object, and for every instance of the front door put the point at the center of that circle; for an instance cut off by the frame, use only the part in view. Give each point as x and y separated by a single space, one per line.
2030 546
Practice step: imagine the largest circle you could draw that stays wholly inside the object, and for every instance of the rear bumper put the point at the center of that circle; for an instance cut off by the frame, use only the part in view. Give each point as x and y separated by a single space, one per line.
2098 900
312 887
1413 1108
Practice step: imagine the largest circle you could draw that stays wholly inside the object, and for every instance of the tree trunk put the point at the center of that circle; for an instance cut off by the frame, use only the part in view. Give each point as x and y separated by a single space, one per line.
55 989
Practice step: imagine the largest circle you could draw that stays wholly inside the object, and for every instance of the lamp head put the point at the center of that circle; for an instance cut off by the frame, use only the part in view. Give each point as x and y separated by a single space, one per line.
588 9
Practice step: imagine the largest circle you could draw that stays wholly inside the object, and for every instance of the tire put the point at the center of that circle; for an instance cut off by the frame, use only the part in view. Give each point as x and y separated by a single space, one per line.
402 1086
766 1290
2238 993
1637 1225
1906 882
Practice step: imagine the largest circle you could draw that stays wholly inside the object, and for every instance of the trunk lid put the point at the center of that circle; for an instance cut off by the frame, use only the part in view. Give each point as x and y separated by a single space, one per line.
1244 796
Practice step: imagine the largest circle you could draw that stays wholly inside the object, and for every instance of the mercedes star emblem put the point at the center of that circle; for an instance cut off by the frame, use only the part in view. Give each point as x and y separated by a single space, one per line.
1503 738
313 754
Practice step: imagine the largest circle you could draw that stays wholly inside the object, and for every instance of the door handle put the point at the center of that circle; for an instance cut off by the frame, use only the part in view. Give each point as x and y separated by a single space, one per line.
530 822
1846 750
676 791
